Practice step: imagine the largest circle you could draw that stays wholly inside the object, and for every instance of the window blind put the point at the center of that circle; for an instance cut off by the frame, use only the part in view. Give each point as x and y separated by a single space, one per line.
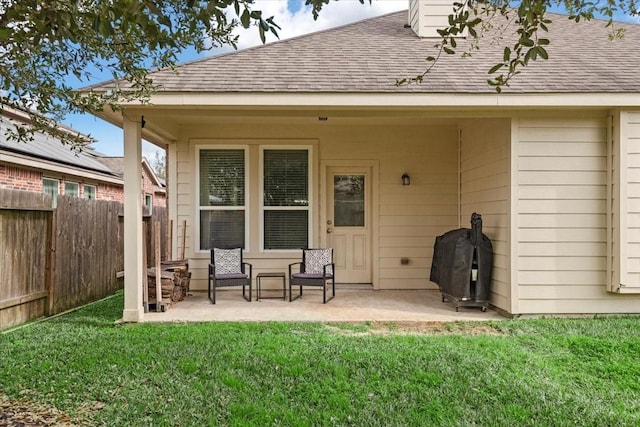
286 178
286 229
222 178
286 199
222 229
222 186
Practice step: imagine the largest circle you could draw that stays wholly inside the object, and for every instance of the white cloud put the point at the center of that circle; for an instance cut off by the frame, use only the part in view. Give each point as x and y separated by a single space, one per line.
334 14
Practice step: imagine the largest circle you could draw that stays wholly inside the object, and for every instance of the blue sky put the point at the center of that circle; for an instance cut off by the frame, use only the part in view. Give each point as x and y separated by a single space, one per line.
294 19
291 16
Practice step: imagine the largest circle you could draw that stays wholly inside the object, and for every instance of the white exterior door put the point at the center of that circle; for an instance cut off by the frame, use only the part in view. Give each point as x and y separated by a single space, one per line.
348 224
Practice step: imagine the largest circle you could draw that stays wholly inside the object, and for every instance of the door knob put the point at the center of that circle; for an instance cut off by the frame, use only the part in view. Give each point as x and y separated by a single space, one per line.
329 230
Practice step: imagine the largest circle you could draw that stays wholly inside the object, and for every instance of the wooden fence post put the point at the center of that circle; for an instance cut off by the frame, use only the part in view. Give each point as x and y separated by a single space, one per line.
51 262
158 270
145 273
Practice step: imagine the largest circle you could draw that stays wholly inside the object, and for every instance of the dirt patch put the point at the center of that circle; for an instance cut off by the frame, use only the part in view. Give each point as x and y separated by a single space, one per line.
415 328
25 412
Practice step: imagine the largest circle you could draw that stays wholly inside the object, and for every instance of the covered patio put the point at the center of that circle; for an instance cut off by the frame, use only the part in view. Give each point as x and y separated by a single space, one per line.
351 304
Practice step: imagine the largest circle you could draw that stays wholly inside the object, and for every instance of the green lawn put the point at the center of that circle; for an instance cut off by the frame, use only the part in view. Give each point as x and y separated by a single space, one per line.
514 372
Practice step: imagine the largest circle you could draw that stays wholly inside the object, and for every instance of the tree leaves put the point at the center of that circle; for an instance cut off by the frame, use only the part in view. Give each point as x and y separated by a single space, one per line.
317 5
526 20
44 43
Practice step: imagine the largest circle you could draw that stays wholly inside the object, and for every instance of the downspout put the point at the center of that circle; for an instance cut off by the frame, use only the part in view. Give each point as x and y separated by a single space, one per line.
611 286
459 178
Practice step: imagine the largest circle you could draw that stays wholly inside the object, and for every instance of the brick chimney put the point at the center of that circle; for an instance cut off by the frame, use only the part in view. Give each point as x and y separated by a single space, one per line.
428 16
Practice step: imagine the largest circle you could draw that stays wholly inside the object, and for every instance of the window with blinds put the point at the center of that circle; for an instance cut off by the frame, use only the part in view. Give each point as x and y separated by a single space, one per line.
286 199
222 198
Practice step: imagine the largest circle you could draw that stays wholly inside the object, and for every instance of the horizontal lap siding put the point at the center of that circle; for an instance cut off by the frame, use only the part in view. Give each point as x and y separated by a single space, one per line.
485 190
562 217
632 232
185 205
409 217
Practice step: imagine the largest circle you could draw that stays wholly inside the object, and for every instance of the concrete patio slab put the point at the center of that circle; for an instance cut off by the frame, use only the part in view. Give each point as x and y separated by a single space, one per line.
349 305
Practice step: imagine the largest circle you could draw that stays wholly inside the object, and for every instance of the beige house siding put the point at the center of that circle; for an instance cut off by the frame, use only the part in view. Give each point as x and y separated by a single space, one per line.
426 17
408 217
562 217
485 189
625 161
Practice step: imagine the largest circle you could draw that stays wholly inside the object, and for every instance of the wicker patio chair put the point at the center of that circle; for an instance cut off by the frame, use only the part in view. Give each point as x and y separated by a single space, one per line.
228 269
316 269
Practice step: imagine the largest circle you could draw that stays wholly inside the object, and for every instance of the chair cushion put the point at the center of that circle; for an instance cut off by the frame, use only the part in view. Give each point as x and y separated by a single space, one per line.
231 276
316 259
309 276
227 261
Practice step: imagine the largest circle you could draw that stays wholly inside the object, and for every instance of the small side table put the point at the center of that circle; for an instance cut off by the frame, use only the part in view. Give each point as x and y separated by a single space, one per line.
282 276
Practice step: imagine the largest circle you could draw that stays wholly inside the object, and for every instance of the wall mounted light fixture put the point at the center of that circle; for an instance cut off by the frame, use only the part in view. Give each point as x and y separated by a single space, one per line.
406 179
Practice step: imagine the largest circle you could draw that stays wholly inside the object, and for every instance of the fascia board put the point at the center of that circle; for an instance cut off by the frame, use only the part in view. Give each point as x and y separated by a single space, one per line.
402 100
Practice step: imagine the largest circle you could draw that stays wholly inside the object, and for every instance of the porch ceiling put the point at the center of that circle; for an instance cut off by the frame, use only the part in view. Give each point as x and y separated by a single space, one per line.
163 122
197 117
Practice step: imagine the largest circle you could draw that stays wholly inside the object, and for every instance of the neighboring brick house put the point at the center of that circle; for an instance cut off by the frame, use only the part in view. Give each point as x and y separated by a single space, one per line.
46 165
153 187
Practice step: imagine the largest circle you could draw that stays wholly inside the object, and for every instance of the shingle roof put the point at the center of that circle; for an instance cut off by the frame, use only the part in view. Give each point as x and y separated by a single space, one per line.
368 57
47 148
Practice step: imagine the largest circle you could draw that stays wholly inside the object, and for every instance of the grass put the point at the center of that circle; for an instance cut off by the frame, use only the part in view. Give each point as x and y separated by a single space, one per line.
514 372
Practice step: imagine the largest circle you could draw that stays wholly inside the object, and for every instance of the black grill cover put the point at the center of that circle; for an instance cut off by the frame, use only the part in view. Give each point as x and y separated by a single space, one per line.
453 254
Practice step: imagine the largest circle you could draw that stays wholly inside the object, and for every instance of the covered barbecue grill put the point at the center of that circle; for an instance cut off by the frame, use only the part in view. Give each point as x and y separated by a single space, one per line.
461 265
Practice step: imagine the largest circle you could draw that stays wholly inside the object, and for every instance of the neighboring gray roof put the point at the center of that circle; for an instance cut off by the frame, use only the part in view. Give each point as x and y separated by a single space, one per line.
368 56
115 164
47 148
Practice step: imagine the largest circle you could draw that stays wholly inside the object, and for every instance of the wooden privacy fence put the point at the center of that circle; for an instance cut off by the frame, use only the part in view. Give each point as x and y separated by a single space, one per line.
25 242
54 260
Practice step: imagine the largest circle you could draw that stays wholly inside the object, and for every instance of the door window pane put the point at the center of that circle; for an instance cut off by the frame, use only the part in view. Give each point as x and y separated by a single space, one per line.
348 200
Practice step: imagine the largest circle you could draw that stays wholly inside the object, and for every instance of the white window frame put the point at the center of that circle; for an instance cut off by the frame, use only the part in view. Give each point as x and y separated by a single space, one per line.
54 197
72 183
308 208
247 193
148 206
95 191
57 181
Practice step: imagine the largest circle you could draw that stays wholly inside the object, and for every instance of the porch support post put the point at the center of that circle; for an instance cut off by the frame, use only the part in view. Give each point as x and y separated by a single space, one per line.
133 309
